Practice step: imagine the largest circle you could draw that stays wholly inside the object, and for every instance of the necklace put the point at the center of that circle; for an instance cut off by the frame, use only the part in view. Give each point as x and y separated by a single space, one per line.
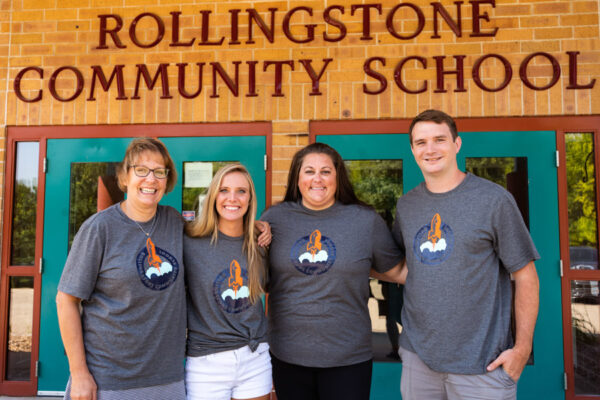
151 227
142 229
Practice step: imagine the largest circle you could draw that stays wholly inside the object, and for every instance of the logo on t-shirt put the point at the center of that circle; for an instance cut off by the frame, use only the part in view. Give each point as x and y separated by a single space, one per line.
229 290
313 254
434 242
156 267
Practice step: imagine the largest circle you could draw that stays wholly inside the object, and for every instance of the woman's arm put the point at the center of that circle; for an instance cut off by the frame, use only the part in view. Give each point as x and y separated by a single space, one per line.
83 386
264 238
397 274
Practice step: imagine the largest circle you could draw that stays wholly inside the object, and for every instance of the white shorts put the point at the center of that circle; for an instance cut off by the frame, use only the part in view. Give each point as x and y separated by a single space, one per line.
239 374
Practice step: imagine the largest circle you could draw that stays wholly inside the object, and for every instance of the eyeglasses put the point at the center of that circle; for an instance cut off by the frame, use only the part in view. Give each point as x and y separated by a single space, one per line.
142 172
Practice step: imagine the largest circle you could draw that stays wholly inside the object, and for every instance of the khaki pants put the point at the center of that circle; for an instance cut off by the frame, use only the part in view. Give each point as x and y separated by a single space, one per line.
419 382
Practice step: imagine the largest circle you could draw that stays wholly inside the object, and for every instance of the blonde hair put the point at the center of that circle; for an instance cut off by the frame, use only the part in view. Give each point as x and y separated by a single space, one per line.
135 149
206 224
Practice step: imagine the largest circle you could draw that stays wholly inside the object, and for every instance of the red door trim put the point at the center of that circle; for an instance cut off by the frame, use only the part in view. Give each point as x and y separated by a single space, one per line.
19 388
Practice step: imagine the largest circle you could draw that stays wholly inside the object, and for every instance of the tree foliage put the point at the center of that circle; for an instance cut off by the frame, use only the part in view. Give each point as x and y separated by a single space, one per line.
494 169
378 183
581 189
23 228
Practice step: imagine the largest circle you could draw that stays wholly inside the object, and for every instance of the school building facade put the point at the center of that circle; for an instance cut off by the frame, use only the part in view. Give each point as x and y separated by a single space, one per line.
254 81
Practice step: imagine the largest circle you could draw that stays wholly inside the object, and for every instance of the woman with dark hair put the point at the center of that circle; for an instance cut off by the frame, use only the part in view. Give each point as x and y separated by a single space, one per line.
325 243
344 193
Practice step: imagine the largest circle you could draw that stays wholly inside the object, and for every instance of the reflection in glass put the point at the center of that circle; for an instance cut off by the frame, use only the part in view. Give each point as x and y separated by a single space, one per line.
379 183
196 179
25 204
20 320
508 172
581 200
93 188
585 314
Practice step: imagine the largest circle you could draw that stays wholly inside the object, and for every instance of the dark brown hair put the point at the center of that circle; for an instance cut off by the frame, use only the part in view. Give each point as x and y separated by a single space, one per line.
344 192
439 117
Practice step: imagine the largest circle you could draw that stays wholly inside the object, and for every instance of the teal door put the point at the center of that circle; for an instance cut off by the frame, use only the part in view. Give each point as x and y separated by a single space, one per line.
80 179
524 162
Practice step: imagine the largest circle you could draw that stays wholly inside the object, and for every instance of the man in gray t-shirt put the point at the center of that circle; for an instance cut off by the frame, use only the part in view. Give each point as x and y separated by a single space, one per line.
463 237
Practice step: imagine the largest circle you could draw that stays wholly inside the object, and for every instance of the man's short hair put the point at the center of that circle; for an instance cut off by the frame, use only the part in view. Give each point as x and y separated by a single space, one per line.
437 116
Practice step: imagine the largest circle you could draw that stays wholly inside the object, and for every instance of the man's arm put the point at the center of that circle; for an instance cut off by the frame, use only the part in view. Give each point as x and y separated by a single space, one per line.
527 288
397 274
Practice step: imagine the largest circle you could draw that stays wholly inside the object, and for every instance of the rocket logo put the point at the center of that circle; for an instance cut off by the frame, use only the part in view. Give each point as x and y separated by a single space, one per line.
229 290
313 254
235 277
434 242
156 268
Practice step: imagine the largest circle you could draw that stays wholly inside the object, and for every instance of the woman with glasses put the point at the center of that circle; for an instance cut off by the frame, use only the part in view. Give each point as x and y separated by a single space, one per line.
227 354
125 272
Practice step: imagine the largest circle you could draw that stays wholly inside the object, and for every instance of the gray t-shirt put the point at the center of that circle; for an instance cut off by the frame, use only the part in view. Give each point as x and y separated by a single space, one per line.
461 247
220 314
133 297
319 282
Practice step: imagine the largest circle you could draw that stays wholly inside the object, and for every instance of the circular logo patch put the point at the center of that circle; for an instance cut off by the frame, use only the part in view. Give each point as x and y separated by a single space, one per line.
434 242
156 267
229 290
313 254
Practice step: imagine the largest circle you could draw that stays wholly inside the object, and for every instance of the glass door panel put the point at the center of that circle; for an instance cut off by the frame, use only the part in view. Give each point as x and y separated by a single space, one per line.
20 323
583 274
93 188
585 322
581 199
25 204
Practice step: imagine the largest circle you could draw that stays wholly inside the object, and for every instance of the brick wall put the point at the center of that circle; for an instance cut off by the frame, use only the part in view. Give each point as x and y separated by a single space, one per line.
55 33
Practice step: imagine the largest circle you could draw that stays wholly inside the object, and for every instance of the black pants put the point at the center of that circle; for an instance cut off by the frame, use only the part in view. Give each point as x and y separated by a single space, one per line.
295 382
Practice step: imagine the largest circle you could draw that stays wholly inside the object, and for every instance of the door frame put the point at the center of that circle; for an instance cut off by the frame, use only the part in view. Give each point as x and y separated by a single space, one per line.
41 134
569 274
17 388
560 125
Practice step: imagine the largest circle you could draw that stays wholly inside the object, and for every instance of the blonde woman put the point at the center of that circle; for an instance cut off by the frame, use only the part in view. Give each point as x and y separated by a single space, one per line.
227 354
